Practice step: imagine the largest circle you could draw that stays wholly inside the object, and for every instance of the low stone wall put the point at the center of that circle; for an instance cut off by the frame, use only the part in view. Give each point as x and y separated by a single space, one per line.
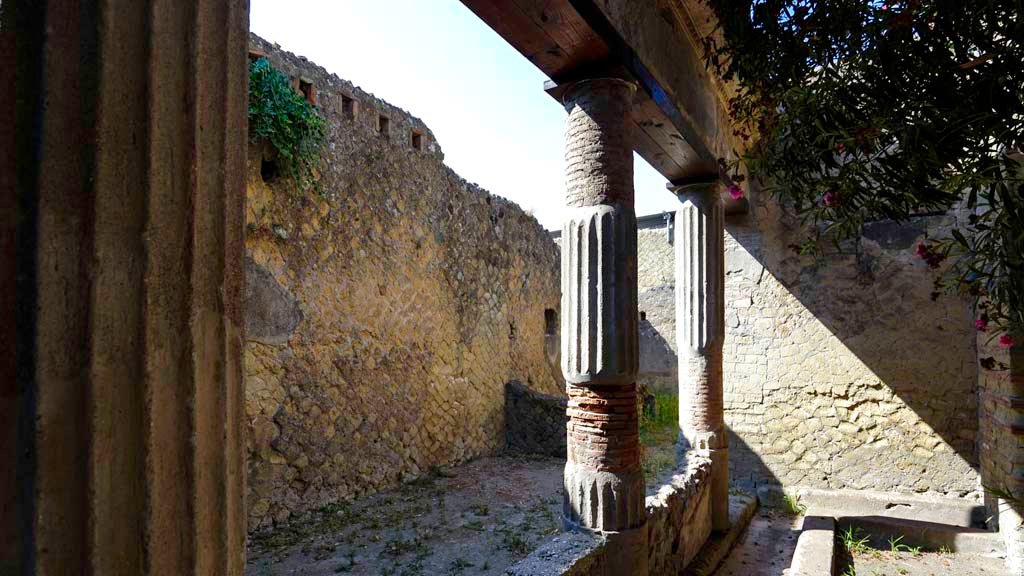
678 525
386 312
534 422
679 518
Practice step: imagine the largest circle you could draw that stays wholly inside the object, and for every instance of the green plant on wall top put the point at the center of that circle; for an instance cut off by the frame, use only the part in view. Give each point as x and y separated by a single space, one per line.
284 118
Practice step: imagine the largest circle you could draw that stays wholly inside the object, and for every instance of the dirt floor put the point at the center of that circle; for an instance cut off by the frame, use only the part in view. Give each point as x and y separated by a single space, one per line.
479 518
476 519
874 562
766 548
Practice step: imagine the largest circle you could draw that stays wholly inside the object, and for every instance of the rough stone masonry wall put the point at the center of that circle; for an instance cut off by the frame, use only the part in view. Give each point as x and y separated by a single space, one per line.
656 300
534 422
384 315
840 372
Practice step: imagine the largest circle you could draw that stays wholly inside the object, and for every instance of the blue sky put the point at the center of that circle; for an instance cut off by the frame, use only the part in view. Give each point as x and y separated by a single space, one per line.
484 101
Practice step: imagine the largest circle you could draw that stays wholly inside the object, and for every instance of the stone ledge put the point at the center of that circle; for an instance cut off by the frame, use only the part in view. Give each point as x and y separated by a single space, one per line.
815 549
928 535
568 554
928 508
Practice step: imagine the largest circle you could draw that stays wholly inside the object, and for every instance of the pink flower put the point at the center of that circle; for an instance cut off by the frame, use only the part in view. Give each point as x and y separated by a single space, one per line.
930 256
885 7
840 147
981 324
1006 341
735 191
831 198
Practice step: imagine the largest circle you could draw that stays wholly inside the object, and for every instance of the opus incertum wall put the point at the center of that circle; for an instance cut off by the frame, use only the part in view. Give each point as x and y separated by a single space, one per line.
385 315
840 372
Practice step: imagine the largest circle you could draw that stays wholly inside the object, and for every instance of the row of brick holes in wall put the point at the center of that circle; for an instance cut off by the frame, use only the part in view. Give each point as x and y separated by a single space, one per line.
349 107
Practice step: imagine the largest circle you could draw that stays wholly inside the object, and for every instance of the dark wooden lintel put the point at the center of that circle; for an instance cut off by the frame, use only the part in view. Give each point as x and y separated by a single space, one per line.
571 40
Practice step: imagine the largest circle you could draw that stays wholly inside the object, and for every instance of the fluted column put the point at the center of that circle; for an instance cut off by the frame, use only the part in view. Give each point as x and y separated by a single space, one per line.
700 332
131 186
604 484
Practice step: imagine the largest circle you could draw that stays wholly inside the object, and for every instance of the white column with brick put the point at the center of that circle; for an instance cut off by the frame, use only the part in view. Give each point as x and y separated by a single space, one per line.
604 484
700 332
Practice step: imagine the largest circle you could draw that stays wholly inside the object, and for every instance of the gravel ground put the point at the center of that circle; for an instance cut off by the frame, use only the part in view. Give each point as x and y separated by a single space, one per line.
887 563
476 519
766 548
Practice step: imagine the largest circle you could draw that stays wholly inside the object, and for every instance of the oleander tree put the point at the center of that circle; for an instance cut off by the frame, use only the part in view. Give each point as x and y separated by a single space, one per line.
856 110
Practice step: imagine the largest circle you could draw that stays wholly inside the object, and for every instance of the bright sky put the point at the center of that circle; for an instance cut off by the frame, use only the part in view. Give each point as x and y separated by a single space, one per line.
484 101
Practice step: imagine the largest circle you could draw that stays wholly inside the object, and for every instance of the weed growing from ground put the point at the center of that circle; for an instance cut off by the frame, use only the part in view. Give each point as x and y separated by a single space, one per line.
791 505
853 541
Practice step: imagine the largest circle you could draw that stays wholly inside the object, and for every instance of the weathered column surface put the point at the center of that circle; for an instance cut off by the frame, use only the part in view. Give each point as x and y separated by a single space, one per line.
131 166
604 484
700 332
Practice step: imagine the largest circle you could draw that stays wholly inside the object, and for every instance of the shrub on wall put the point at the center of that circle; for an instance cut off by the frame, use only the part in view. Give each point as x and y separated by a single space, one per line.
283 117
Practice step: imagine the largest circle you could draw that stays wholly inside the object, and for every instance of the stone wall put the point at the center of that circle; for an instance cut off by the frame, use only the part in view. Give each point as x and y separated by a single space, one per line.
534 422
679 517
386 313
656 299
840 372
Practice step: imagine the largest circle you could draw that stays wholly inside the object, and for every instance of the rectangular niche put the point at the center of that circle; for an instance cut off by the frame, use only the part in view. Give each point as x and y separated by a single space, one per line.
308 90
348 107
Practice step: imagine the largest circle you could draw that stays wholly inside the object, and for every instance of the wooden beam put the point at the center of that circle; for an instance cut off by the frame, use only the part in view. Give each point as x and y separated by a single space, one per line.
679 135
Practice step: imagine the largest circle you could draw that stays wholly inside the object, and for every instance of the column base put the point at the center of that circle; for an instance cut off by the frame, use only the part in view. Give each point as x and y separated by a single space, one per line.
601 501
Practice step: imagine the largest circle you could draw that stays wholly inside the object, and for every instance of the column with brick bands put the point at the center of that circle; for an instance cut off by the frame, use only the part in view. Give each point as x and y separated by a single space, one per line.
700 332
604 484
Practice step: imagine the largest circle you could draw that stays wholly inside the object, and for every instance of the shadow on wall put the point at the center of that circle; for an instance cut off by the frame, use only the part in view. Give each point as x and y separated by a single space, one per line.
843 372
749 470
658 371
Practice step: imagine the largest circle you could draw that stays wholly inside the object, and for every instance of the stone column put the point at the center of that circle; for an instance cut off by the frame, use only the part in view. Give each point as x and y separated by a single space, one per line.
131 183
700 331
604 484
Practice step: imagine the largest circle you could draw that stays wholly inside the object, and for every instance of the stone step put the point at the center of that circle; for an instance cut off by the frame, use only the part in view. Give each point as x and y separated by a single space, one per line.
815 549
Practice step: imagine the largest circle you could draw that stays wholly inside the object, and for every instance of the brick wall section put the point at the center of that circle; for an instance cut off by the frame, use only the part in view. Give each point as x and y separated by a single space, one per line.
839 372
1001 442
390 310
534 422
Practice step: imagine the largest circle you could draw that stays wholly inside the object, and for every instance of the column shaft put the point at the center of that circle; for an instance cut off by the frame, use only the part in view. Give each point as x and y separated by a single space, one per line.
132 184
604 484
700 331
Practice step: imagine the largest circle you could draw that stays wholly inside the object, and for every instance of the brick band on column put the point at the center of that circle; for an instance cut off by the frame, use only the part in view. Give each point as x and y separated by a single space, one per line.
700 332
604 485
